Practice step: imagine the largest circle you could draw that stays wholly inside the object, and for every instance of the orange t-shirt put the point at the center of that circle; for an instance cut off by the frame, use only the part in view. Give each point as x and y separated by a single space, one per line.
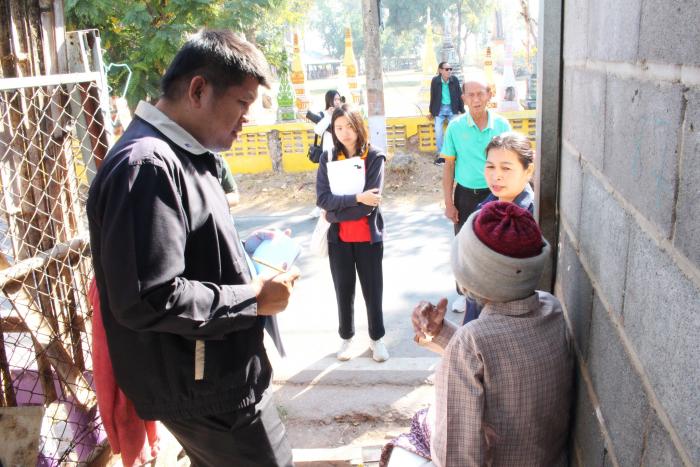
355 230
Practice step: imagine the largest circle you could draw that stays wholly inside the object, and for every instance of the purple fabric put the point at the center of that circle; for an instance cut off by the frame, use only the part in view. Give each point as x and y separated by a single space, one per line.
417 440
80 434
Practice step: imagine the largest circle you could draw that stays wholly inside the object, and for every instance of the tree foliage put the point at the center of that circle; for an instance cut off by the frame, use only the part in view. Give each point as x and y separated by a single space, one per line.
329 20
471 15
404 25
146 34
410 17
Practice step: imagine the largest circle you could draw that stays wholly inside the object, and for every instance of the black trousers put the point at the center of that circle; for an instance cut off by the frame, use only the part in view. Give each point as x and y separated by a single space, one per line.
249 437
366 259
466 200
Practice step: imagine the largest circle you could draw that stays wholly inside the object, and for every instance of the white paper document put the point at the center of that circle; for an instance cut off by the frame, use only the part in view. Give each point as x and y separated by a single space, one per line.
347 177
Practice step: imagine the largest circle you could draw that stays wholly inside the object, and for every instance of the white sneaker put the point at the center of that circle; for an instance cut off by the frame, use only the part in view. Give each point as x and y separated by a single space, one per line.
344 350
379 351
460 305
315 212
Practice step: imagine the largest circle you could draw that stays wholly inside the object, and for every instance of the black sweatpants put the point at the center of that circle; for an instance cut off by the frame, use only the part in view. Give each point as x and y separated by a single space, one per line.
466 201
249 437
366 259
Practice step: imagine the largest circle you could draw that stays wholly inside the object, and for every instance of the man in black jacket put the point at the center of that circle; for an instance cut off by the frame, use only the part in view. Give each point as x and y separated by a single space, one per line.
183 316
445 102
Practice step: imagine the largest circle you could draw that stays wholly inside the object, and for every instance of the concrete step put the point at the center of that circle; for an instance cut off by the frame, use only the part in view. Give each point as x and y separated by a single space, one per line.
342 413
344 456
362 371
331 424
373 402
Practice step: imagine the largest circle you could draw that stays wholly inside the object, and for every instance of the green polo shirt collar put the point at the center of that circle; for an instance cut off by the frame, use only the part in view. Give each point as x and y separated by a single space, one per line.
472 123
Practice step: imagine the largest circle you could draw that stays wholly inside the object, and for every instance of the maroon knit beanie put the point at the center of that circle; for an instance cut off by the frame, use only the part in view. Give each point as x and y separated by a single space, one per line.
509 230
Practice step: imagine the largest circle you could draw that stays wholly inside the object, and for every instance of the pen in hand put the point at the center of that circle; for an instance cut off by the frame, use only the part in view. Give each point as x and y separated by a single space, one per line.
265 263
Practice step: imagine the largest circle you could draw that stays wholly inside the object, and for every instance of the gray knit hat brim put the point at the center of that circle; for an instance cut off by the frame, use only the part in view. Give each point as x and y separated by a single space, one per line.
491 275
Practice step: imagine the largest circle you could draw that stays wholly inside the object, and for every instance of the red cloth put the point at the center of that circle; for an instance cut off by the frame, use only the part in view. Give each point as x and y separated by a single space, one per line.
126 432
355 231
509 230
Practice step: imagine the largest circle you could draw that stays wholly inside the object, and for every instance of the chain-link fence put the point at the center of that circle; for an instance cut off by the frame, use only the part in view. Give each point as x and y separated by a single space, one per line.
51 136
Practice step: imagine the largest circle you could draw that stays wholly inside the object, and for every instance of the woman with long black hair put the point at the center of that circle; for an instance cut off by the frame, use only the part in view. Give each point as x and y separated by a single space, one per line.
323 129
356 234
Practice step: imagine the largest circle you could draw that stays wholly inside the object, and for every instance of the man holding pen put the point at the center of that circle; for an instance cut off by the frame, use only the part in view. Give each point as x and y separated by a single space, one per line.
183 317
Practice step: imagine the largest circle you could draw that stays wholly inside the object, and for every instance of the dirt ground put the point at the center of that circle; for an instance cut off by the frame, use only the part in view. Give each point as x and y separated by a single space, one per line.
419 184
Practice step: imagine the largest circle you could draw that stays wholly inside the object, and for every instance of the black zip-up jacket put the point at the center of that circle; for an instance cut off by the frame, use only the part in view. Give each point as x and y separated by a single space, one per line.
436 95
179 312
345 207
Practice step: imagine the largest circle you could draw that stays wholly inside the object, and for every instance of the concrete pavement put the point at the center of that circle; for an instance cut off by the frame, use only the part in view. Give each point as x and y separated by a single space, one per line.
327 403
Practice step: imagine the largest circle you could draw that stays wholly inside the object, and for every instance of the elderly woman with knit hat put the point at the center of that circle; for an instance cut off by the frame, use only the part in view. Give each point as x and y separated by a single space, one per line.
503 389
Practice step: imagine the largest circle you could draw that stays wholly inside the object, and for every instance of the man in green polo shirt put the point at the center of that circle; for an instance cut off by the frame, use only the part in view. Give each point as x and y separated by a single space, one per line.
464 151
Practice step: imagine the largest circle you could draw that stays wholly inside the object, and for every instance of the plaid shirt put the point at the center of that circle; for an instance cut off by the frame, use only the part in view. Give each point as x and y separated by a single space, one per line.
504 386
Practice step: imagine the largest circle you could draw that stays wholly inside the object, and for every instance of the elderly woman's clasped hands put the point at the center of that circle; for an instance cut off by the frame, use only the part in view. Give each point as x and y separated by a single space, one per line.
428 319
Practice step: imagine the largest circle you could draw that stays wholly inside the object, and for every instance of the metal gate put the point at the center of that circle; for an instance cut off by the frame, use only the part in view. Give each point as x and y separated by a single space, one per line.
52 133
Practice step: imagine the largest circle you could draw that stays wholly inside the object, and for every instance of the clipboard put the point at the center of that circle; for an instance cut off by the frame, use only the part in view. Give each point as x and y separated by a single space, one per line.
276 255
346 177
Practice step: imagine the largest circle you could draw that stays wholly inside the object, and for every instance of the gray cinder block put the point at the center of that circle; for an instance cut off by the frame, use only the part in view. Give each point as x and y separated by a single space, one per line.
570 189
641 145
575 25
687 232
583 115
619 388
660 449
662 320
613 30
577 290
604 239
587 435
669 32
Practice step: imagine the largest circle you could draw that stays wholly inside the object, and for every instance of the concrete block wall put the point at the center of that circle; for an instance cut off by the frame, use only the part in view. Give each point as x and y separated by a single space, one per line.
628 268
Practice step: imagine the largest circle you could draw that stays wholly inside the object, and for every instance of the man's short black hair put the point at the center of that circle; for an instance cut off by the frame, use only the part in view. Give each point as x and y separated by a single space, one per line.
440 65
222 57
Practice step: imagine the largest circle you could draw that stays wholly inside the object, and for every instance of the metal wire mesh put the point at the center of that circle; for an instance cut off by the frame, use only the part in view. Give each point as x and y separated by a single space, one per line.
51 136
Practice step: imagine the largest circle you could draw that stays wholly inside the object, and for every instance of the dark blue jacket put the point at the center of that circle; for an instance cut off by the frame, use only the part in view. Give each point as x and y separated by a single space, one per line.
345 207
436 95
170 271
525 200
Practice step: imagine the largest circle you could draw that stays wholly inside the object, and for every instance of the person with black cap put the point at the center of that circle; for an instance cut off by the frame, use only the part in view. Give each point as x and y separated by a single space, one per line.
503 389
